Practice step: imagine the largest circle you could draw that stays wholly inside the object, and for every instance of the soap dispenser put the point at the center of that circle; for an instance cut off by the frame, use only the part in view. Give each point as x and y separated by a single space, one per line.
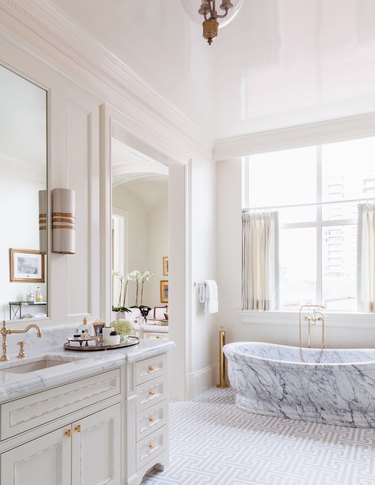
85 328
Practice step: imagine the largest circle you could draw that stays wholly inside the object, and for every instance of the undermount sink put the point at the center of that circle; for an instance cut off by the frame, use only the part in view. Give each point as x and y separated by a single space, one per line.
34 366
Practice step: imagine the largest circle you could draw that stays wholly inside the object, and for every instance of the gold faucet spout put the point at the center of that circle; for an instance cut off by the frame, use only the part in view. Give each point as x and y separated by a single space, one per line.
26 329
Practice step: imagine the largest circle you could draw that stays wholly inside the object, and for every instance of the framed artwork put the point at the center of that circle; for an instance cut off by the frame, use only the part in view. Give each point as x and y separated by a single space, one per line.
165 266
26 265
164 291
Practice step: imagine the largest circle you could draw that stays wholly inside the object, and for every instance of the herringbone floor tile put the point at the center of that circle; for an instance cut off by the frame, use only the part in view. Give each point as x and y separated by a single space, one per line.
214 443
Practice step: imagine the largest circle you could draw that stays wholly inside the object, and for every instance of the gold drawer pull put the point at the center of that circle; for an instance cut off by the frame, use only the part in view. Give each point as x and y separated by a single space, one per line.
152 446
151 368
68 433
151 419
78 428
151 392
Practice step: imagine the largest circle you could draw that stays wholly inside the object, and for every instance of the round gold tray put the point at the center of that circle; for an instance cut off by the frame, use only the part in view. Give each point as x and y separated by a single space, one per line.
98 346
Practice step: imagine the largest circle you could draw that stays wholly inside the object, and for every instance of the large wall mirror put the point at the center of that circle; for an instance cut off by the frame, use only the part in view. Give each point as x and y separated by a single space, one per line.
23 198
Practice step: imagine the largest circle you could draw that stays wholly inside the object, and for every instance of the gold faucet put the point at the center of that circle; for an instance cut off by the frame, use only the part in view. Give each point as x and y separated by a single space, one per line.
8 331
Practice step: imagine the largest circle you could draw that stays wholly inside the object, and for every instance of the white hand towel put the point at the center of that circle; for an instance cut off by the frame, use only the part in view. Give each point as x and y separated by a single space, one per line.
208 294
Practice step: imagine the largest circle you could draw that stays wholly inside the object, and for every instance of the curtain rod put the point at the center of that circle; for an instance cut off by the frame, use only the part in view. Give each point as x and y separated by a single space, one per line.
312 204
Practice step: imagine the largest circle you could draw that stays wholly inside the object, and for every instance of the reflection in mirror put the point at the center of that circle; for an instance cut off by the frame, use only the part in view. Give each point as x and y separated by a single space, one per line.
139 229
23 196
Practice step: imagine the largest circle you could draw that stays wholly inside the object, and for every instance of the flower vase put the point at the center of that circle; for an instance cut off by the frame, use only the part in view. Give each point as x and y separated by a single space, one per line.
118 316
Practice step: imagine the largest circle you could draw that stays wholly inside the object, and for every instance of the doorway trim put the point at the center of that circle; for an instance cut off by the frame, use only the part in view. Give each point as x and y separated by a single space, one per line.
114 123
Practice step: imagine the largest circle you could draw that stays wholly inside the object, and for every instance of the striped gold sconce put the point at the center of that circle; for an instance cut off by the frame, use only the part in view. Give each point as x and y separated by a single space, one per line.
63 221
43 232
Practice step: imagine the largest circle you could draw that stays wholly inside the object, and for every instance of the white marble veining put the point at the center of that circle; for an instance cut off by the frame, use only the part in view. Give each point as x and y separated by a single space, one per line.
77 365
271 379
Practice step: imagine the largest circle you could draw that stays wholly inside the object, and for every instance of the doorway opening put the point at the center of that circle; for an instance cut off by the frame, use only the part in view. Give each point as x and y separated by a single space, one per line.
140 235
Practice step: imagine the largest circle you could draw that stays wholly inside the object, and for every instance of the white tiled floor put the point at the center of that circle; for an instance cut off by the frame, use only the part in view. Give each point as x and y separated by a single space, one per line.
214 443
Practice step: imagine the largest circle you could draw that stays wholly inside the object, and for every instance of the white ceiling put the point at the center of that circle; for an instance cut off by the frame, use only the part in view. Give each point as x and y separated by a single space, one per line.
279 63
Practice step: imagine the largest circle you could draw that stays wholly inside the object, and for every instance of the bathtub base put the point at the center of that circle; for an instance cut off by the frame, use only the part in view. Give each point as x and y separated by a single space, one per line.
287 412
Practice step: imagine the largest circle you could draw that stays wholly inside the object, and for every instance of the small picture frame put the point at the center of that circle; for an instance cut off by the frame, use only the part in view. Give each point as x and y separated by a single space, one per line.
26 265
164 291
165 266
98 328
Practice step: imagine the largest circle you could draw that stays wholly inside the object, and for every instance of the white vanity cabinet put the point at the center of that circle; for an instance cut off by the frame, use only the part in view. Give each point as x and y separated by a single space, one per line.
82 451
87 452
109 428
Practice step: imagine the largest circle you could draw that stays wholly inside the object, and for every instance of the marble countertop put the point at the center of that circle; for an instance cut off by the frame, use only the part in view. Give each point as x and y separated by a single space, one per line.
76 365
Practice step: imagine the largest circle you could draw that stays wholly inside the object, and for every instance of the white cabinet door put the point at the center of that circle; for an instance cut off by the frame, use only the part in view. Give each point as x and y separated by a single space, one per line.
96 448
43 461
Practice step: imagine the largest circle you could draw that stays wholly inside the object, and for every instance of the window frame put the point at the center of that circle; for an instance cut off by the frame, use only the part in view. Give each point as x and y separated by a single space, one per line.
318 224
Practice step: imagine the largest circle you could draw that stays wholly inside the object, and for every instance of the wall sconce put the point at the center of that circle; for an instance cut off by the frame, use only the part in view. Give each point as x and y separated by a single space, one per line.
63 221
43 233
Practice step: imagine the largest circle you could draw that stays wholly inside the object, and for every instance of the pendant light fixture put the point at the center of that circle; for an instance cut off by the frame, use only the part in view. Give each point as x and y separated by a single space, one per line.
215 14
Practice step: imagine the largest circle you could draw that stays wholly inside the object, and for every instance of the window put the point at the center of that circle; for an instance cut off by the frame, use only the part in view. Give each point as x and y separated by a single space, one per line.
315 191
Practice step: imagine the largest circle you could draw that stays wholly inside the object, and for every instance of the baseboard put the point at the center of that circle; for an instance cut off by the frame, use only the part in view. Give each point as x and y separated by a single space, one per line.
203 379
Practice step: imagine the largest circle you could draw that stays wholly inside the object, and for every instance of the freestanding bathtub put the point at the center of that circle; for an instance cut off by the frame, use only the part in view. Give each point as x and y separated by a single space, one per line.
271 380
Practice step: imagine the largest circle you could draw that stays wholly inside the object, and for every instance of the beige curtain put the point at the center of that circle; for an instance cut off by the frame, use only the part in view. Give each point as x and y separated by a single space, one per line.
259 260
366 257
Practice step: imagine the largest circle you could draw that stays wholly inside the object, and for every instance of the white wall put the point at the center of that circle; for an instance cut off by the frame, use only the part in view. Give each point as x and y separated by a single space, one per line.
204 328
73 162
346 331
228 236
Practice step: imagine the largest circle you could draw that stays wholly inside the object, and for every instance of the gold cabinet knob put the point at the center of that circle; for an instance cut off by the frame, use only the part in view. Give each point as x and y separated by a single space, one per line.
77 428
151 392
152 446
151 419
151 368
68 433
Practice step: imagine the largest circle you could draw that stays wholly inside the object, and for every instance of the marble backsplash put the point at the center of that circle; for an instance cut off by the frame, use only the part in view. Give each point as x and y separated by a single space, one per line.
53 337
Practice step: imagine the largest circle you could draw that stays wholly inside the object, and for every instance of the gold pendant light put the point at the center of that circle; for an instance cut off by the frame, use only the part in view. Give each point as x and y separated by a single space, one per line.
215 15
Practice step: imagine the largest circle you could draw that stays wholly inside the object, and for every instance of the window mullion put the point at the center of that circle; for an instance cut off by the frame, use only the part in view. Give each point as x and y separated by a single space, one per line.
319 210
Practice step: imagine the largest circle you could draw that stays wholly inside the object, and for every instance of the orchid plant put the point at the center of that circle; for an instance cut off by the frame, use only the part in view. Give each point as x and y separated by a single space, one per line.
124 282
140 278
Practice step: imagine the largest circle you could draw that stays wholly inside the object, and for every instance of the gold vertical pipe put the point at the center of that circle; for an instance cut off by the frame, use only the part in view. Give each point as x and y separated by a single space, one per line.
223 375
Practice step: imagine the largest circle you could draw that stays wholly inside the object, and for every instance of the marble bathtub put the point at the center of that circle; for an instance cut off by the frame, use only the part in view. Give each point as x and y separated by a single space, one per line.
271 380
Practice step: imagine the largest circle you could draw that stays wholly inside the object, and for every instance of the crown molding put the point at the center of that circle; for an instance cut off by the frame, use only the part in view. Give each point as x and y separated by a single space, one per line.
295 136
44 19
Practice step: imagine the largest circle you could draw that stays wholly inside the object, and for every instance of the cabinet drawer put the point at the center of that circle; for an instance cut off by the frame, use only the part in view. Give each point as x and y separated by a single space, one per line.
156 336
151 446
150 420
28 412
150 393
148 369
